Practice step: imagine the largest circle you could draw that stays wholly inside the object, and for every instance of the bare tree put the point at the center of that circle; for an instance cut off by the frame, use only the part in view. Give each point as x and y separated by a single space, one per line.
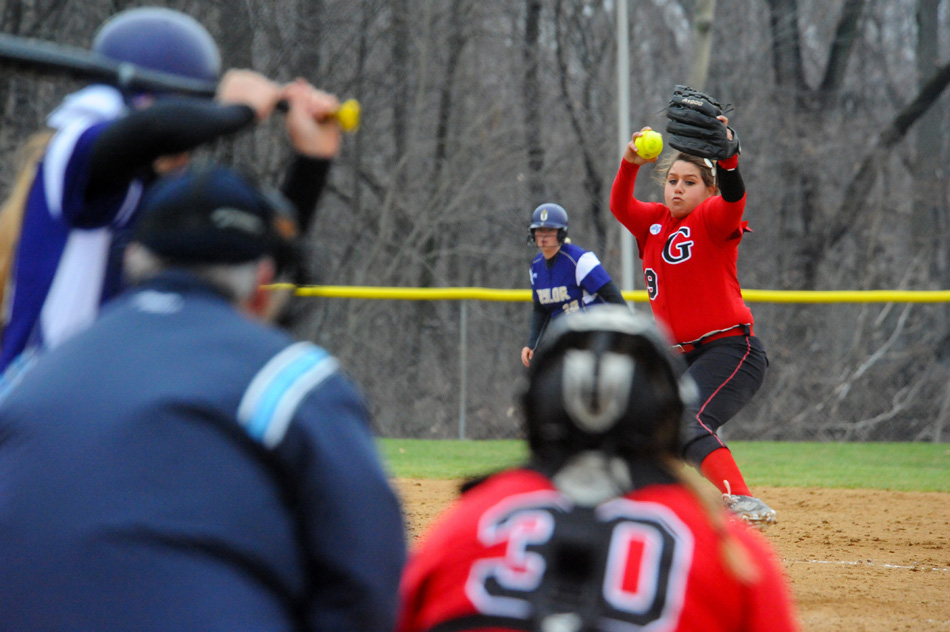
703 19
532 100
475 111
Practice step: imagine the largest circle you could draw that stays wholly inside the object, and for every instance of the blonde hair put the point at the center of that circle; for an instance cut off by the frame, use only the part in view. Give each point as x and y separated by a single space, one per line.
707 168
734 554
11 214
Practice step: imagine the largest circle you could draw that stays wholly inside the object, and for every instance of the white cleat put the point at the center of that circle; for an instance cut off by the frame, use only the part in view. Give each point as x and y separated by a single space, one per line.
750 510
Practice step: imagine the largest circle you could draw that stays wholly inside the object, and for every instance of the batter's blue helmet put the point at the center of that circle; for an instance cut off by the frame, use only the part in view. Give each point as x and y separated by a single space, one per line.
549 215
160 39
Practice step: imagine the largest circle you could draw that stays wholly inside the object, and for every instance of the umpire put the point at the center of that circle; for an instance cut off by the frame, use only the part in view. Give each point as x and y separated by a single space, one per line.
179 466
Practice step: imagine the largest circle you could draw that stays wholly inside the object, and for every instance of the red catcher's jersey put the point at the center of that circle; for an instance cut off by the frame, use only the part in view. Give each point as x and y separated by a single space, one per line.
480 563
689 265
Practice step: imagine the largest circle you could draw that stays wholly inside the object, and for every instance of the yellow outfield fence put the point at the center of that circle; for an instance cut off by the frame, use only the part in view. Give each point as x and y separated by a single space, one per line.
848 365
637 296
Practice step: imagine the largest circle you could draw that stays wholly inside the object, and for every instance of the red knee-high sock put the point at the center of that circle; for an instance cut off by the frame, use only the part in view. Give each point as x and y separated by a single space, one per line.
719 467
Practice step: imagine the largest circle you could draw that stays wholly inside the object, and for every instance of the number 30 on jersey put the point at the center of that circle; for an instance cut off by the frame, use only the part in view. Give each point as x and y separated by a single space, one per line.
635 555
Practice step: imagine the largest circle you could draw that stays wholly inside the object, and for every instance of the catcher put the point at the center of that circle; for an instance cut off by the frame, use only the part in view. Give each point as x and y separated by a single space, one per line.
689 247
601 529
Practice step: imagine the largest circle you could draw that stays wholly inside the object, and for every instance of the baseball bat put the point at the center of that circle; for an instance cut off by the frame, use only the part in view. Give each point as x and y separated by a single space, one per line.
38 56
24 53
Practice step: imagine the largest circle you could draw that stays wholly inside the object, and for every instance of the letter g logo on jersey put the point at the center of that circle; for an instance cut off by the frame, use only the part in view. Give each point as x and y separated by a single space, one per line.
678 246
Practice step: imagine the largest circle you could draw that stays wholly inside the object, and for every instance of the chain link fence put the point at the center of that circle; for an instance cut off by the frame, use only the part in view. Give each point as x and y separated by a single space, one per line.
871 368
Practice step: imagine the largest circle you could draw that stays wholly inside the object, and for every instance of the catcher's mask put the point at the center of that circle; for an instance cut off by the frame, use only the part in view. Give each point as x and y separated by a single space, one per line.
549 215
605 380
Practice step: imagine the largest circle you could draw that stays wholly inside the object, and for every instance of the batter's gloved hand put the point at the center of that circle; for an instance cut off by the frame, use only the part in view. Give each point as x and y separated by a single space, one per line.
694 126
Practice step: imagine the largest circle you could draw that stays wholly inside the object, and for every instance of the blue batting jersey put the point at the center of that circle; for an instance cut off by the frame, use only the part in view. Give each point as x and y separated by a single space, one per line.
571 283
67 262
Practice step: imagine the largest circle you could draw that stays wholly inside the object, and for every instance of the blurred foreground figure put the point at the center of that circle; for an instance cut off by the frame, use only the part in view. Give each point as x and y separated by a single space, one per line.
600 530
64 226
178 465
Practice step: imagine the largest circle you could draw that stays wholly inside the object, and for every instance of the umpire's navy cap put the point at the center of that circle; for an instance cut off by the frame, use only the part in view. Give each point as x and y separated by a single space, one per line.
210 214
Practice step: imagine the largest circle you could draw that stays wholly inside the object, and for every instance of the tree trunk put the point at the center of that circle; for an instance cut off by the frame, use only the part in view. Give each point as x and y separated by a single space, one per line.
703 20
860 185
531 96
929 214
400 69
593 181
786 49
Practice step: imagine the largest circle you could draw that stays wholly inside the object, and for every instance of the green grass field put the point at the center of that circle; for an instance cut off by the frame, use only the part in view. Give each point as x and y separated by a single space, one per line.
887 466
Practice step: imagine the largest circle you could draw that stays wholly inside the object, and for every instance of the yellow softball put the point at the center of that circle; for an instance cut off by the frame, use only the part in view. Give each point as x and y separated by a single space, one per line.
348 115
649 145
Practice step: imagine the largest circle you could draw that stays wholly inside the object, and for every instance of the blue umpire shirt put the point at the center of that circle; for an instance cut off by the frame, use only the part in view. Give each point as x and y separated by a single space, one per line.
178 466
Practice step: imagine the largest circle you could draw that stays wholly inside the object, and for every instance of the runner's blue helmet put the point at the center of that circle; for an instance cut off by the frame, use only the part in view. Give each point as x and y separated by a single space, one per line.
549 215
160 39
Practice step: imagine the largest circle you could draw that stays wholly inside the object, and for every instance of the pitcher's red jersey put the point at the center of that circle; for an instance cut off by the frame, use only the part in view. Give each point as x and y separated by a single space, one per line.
689 264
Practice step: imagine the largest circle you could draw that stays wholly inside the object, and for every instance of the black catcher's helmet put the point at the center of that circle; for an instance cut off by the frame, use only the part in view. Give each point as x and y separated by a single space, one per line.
605 380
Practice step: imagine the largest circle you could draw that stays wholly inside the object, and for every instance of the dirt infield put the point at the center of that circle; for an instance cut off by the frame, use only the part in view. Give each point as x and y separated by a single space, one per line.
857 560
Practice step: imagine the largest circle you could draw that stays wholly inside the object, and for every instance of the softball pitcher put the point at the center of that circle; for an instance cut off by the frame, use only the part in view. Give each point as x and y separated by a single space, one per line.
689 247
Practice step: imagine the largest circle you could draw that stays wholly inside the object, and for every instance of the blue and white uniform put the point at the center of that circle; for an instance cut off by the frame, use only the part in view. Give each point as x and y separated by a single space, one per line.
84 201
178 466
65 265
570 283
571 280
